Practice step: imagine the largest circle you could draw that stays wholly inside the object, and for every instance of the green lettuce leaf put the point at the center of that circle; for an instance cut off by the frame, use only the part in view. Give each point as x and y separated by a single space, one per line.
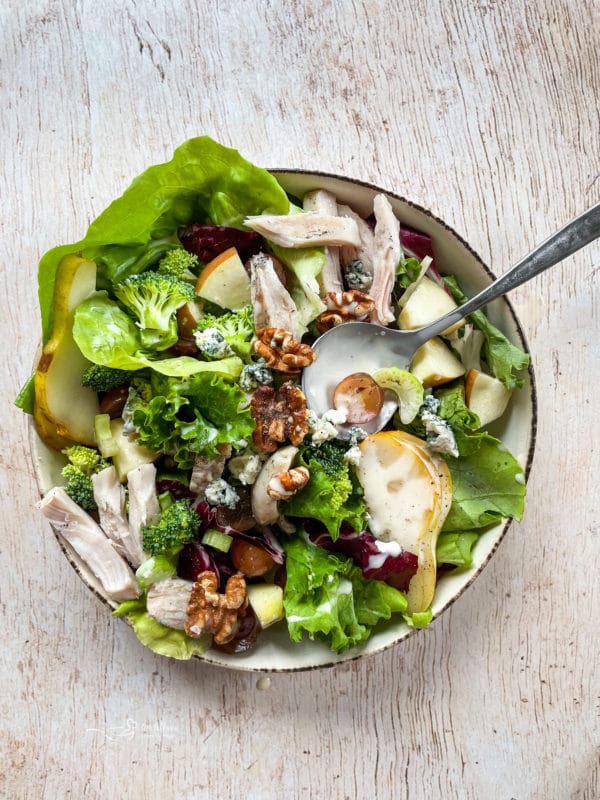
106 335
303 267
331 495
454 409
503 358
327 597
488 483
456 548
160 639
204 181
192 417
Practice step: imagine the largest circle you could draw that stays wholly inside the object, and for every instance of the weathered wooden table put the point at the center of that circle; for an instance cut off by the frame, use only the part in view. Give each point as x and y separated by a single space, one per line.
485 112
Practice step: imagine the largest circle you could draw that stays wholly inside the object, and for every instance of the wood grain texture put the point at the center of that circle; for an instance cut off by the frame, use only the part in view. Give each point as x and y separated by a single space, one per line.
485 112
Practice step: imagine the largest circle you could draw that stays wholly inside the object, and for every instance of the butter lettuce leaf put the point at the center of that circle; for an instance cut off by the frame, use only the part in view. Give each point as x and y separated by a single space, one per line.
331 495
106 335
456 548
503 358
303 266
488 483
204 181
160 639
327 597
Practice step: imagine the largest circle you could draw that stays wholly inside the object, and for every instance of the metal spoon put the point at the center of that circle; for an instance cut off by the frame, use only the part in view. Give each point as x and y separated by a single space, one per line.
367 347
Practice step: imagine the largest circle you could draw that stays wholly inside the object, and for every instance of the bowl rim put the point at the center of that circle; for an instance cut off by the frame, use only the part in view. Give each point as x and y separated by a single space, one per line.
239 665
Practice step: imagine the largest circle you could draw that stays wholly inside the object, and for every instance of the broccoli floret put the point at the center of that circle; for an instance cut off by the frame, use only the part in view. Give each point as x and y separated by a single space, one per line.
178 526
179 263
85 459
236 328
84 462
103 379
330 456
154 298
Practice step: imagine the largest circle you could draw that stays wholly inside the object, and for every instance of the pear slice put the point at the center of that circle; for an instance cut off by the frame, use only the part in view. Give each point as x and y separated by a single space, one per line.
47 431
408 492
64 408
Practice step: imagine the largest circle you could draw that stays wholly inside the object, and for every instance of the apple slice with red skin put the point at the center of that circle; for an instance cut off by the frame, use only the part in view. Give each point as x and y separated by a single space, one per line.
224 281
486 396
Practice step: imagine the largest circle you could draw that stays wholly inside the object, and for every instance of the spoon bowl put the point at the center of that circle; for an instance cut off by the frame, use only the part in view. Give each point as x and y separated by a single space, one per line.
368 347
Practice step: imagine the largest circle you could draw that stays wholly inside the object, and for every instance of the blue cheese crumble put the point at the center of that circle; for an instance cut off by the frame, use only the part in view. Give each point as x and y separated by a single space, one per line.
212 344
220 493
440 436
255 375
323 429
357 276
246 468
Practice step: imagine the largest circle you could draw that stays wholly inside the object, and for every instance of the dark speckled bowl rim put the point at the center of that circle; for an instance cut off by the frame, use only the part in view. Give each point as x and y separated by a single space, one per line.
240 666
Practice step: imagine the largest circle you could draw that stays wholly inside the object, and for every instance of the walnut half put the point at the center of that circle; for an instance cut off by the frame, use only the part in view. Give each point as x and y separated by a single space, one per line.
208 611
282 352
280 416
344 307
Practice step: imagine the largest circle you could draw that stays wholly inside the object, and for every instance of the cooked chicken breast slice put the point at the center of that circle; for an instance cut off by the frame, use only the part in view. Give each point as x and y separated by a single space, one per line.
386 258
322 202
167 602
143 507
89 542
109 495
272 303
365 250
305 230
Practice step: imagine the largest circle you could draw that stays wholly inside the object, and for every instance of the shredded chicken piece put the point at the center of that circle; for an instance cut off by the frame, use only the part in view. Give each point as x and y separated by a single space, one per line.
207 470
322 202
167 602
387 256
305 230
90 543
272 303
143 507
365 250
109 495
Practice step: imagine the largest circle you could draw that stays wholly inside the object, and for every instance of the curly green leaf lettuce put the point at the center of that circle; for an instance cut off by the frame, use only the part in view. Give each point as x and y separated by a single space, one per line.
192 417
327 597
330 495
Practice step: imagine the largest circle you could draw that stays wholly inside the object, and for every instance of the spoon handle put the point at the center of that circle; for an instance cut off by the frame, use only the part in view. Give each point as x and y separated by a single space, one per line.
572 237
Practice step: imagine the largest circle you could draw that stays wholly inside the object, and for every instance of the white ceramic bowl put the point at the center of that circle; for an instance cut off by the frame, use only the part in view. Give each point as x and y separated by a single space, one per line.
274 651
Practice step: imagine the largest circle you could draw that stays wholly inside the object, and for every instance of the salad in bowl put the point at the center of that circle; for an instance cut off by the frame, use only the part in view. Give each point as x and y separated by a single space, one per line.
184 472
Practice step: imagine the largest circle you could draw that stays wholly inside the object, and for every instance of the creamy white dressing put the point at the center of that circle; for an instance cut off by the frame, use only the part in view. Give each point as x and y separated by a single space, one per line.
385 549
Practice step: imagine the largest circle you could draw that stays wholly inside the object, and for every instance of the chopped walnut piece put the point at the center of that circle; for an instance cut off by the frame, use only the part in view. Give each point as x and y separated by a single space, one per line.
280 415
208 611
344 307
287 484
282 352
